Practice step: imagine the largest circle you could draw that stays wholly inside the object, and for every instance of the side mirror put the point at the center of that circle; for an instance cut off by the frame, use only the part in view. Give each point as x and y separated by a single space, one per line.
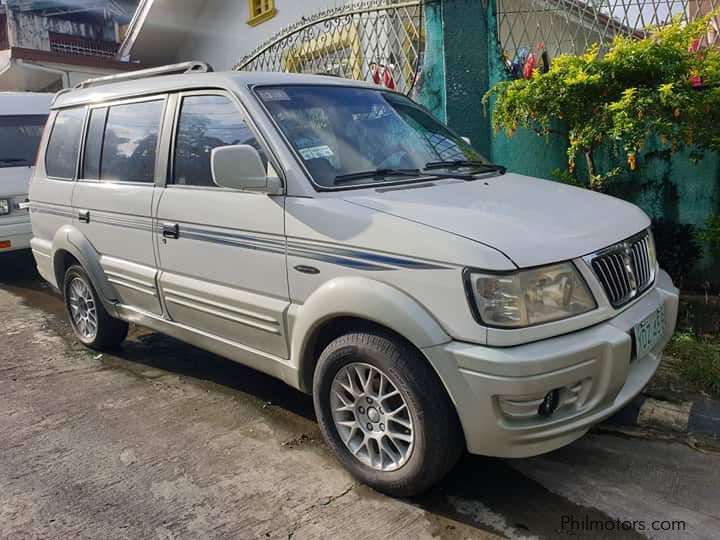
240 167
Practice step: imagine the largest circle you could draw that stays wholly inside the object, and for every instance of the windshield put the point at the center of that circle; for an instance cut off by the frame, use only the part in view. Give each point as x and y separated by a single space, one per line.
20 136
348 136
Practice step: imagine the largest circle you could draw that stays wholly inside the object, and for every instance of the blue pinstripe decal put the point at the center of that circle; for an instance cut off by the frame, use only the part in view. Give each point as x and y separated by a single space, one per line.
369 256
340 261
351 258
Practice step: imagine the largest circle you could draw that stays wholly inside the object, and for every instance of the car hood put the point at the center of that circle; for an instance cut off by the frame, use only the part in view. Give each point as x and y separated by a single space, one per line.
14 180
531 221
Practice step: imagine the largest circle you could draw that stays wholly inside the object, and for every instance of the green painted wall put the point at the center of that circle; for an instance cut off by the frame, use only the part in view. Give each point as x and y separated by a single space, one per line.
664 186
467 72
430 89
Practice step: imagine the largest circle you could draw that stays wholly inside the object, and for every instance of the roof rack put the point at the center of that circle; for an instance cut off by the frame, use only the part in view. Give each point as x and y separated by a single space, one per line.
171 69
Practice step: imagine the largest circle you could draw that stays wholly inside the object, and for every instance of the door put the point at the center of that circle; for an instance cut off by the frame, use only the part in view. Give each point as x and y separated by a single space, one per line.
114 194
221 251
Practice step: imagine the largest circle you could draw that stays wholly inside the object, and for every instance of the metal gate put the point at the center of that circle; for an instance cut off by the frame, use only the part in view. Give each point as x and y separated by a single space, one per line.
378 41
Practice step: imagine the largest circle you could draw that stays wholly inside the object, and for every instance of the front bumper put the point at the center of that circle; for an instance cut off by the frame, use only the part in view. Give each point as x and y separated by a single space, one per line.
496 391
17 233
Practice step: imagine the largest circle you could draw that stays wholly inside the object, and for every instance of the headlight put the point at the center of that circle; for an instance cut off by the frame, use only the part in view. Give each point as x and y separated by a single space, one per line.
4 207
529 297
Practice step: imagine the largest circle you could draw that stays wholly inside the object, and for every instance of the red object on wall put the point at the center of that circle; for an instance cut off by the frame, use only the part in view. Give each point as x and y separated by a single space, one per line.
694 47
388 79
382 75
530 66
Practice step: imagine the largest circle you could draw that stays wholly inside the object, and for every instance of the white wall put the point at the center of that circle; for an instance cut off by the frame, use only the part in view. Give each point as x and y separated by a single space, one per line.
221 36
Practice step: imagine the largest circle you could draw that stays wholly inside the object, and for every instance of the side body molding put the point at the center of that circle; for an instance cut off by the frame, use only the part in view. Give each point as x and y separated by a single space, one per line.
363 298
69 239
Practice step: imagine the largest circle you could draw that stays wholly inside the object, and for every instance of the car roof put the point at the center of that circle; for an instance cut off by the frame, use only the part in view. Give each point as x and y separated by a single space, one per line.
24 103
191 81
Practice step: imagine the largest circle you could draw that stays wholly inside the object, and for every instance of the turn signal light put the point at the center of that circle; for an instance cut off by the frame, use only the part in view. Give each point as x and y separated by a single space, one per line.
5 244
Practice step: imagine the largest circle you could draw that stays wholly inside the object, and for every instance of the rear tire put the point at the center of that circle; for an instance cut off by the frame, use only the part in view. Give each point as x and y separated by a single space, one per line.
89 319
399 453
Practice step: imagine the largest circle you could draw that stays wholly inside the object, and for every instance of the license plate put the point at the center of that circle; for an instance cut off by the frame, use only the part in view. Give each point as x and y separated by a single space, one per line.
649 331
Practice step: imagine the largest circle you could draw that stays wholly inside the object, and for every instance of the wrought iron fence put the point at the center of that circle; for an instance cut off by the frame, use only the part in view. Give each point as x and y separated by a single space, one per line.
571 26
379 41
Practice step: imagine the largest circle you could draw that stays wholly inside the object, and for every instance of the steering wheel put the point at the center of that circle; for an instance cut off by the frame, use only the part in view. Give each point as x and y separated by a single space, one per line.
392 151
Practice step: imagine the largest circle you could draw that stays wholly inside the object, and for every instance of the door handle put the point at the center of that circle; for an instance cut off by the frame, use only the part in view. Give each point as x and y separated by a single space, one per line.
84 216
171 230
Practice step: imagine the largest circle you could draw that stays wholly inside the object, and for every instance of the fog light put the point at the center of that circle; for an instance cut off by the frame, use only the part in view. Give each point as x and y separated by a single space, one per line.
549 403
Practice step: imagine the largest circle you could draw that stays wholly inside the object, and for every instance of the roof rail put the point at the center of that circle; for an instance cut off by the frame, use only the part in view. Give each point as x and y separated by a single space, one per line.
171 69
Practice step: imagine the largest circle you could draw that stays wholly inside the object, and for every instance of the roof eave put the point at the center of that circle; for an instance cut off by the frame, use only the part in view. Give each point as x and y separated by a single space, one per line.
134 28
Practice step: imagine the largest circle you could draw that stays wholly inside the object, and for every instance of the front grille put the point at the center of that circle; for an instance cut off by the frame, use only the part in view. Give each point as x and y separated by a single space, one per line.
625 269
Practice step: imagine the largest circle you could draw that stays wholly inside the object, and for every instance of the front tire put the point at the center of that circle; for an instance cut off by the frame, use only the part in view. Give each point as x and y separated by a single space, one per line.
90 322
384 412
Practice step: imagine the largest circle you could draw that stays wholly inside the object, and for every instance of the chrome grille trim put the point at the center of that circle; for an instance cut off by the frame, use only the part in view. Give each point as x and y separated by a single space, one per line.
625 270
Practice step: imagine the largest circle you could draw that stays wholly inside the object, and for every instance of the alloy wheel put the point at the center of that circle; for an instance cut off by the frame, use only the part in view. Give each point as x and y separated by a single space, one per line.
83 311
372 417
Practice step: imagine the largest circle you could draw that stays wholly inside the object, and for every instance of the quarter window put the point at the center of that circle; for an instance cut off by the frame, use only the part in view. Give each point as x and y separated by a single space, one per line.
94 143
62 149
207 122
129 147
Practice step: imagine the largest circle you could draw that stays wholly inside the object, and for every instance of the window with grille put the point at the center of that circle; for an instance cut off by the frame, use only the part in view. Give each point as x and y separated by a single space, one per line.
260 11
80 46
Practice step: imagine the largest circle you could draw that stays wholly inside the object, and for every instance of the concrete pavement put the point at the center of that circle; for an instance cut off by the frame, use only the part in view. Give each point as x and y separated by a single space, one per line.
163 440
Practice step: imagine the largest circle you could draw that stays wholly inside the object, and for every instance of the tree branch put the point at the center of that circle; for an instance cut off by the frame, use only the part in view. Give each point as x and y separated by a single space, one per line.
548 131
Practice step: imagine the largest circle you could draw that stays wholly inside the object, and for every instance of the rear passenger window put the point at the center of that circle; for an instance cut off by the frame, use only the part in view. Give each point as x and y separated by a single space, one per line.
207 122
62 149
94 143
130 142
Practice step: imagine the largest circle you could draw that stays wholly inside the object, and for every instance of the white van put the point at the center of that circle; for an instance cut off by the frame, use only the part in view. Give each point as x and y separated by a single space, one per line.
22 118
339 237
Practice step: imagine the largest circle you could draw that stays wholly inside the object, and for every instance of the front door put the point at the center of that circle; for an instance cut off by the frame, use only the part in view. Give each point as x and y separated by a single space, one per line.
221 251
114 194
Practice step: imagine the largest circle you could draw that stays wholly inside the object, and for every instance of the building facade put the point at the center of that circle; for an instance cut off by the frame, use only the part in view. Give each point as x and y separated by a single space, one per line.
46 45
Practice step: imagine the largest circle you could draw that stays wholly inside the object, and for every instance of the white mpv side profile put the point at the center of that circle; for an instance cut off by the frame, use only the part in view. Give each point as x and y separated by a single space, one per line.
22 117
337 236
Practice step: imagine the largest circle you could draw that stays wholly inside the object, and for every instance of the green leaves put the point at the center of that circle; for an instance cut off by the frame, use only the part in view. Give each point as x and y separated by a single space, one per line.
636 90
711 234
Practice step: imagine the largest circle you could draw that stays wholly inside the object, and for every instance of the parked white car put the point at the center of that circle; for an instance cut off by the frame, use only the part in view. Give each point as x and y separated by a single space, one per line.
22 117
337 236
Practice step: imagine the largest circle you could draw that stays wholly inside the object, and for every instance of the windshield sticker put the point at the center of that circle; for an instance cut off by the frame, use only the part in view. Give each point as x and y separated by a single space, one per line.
315 152
274 94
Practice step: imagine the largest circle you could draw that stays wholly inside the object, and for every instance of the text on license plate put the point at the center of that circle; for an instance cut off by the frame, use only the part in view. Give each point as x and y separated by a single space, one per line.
649 331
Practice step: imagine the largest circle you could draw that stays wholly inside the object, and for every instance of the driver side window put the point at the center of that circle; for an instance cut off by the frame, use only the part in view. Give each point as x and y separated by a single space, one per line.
207 122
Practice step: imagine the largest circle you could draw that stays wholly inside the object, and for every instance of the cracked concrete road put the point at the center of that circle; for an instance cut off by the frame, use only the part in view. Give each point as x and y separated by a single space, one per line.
162 440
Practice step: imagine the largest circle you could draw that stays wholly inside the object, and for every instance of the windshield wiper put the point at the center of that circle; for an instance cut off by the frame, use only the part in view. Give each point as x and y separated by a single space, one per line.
465 163
376 173
344 178
13 160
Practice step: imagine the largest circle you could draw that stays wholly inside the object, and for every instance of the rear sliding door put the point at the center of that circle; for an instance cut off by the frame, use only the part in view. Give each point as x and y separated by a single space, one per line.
114 194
